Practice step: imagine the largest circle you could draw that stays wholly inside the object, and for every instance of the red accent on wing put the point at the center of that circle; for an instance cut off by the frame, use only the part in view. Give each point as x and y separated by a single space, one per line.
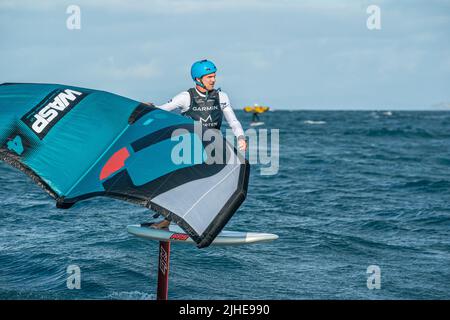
115 163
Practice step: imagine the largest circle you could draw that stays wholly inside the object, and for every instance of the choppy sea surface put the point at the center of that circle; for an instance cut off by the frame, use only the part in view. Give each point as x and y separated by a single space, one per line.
354 189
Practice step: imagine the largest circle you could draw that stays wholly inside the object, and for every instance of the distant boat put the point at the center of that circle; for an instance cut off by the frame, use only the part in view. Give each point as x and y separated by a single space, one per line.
256 110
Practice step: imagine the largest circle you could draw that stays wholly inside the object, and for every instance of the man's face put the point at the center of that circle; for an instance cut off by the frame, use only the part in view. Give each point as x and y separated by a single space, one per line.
209 81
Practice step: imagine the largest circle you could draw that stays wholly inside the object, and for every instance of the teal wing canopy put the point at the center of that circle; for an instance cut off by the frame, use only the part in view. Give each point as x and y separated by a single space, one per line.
78 143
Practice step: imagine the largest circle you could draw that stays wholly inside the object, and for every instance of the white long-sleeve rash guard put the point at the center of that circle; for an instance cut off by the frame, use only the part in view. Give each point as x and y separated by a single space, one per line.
182 101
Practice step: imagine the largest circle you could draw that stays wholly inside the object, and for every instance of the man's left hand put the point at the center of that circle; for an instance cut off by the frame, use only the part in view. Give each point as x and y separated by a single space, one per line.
242 144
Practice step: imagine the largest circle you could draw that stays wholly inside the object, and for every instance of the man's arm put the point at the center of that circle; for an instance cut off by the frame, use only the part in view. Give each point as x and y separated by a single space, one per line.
181 100
232 120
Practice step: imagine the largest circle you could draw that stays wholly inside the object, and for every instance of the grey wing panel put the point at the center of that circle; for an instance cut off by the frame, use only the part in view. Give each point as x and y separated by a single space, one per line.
198 202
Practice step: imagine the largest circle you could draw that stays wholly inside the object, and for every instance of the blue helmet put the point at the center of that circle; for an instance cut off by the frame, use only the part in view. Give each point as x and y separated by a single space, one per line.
202 68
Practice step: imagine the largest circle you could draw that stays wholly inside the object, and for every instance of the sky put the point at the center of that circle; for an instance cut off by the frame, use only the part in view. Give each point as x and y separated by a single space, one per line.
286 54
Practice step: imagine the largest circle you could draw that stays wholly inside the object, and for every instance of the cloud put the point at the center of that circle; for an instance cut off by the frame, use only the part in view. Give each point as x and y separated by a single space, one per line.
183 6
29 5
319 51
139 71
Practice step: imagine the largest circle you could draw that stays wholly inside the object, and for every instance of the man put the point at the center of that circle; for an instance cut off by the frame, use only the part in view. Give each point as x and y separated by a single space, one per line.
255 117
205 104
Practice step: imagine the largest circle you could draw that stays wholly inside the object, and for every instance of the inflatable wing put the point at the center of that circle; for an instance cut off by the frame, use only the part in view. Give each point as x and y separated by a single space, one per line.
79 143
256 109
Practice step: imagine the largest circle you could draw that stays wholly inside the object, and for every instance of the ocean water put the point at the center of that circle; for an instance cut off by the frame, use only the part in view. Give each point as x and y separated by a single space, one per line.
354 189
